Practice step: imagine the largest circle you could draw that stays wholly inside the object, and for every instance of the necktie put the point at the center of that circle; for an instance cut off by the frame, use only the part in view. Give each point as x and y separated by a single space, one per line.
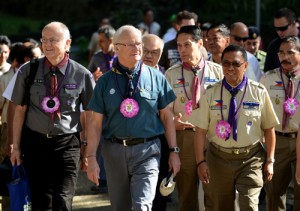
232 119
290 94
130 87
195 89
232 110
53 87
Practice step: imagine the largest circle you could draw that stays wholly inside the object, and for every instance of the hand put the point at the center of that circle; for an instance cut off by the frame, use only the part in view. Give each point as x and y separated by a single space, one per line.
180 125
15 156
268 171
203 172
174 162
97 74
93 170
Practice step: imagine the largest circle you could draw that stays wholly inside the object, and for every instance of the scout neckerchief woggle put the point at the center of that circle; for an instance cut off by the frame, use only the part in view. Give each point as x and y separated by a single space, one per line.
290 104
50 102
223 128
109 60
129 106
196 85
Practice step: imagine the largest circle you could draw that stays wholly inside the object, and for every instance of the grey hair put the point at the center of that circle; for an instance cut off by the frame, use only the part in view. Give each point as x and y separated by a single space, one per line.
125 28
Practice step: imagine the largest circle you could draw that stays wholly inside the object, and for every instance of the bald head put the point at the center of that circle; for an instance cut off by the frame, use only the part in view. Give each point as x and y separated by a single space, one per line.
152 49
238 34
59 27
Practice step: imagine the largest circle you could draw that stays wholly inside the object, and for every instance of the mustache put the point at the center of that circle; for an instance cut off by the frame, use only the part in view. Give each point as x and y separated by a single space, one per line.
285 62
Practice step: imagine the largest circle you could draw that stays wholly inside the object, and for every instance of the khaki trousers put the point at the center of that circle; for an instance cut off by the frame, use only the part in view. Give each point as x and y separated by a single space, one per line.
230 173
285 158
187 178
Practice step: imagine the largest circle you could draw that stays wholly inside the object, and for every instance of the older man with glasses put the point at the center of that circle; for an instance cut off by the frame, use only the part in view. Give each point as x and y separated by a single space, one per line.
133 98
285 25
235 115
283 85
48 142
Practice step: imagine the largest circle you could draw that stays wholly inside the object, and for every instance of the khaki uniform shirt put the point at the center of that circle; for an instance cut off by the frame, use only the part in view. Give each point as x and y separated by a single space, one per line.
255 114
77 89
4 80
212 74
274 85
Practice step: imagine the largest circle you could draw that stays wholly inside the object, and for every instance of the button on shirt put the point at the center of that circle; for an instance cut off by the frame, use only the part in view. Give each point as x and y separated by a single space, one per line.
153 94
255 114
212 74
77 89
273 83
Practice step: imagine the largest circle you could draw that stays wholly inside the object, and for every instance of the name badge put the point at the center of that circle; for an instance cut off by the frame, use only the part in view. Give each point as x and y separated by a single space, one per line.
210 80
70 86
251 105
39 81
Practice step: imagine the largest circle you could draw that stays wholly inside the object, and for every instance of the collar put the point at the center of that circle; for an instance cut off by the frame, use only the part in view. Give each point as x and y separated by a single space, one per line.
62 66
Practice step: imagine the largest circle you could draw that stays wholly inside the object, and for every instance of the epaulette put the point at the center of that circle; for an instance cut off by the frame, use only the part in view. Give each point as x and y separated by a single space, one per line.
175 66
257 84
271 71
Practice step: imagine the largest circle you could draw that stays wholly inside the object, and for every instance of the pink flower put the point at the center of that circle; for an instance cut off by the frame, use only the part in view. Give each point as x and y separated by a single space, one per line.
223 129
189 107
290 106
129 108
50 105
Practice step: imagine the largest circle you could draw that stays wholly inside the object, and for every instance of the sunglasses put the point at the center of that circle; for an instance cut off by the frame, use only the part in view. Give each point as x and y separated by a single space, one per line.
282 28
234 64
239 39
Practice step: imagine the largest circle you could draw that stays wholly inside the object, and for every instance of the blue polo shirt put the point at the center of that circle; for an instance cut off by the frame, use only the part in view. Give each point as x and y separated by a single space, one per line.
153 94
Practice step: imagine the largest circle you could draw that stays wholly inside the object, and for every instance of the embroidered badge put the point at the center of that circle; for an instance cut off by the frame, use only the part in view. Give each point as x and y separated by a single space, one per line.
112 91
70 86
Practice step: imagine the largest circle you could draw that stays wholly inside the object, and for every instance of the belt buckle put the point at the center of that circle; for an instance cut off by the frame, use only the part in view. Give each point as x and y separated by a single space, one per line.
125 143
236 151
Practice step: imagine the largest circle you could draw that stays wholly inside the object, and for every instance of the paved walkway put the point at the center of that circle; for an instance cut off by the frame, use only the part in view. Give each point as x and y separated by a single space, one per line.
86 200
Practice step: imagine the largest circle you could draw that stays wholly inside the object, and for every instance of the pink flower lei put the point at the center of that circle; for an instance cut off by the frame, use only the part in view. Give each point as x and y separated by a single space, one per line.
50 104
223 129
290 106
129 108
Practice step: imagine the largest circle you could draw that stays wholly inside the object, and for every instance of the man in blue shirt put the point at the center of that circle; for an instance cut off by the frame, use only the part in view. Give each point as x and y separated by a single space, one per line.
133 98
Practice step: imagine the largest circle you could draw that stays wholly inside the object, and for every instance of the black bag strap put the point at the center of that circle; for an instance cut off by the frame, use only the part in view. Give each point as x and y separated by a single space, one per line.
34 64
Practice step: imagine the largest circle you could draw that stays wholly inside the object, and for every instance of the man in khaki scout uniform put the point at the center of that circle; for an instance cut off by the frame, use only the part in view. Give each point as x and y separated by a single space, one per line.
283 87
235 114
182 77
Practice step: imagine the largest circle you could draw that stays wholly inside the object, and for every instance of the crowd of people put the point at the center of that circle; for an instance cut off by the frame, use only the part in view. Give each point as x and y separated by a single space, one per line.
204 103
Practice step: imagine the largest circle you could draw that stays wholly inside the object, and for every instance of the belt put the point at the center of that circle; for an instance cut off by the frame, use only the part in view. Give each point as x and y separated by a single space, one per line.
290 135
236 151
130 141
55 136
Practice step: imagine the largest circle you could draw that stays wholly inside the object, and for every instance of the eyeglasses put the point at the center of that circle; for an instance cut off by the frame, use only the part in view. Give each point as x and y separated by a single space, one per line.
133 45
51 40
153 53
282 28
234 64
288 53
239 39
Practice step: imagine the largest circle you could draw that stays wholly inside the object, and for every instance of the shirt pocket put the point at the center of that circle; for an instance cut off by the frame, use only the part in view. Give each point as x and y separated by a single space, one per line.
68 100
250 122
150 99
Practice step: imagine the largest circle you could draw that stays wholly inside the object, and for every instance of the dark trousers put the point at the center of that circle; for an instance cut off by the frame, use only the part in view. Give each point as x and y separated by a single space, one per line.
52 167
160 201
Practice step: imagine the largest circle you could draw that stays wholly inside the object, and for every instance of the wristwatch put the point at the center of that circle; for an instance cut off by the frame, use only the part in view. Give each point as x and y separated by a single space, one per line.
271 160
174 149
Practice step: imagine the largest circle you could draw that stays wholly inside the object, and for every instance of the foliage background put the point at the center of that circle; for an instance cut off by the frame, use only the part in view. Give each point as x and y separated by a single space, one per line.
25 18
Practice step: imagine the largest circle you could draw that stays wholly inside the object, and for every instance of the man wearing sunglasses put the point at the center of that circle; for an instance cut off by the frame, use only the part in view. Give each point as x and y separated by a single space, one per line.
239 34
285 25
283 85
